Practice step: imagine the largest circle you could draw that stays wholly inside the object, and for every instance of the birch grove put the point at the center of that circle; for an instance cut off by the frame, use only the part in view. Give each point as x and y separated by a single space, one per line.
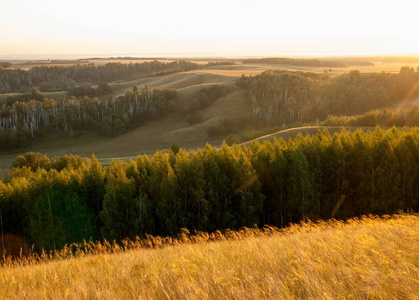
37 117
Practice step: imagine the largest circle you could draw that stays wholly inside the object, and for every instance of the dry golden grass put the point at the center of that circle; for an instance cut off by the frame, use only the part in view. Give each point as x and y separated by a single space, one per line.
254 69
176 81
368 258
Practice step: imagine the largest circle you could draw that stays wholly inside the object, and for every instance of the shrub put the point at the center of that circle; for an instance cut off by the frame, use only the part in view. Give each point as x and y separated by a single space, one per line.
232 139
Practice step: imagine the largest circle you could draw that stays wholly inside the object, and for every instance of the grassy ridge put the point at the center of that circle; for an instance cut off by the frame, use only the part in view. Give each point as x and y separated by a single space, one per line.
362 258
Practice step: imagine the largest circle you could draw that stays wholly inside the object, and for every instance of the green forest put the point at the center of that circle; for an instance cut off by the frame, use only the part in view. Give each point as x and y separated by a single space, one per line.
61 78
277 99
382 117
22 121
59 200
285 97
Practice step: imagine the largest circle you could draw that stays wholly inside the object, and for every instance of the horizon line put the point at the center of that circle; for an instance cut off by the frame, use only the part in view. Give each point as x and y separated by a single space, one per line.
188 55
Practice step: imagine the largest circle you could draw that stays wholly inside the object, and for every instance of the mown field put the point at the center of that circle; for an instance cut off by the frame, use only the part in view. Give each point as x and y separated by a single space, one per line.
367 258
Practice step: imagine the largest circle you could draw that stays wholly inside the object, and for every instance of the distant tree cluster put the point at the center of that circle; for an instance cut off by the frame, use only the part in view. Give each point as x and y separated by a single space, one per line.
5 64
279 97
56 78
307 62
34 94
66 199
283 97
224 127
220 63
384 118
66 61
24 120
204 98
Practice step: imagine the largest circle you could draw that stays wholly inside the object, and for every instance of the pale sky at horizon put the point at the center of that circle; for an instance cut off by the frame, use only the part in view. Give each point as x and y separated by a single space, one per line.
186 27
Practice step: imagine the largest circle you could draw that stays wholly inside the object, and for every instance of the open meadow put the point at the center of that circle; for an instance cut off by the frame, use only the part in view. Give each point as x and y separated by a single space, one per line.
367 258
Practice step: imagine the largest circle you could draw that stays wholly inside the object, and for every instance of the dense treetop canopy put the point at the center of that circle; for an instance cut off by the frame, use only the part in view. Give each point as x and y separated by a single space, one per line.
58 200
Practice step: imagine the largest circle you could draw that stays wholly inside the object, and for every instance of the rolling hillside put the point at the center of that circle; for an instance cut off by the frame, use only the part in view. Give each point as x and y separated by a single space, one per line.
368 258
173 128
152 136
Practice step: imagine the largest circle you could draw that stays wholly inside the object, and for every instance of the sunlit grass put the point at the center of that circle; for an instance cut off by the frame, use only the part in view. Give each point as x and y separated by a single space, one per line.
364 258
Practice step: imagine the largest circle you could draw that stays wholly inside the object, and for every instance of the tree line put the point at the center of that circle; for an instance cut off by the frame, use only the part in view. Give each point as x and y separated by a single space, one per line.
284 97
58 200
307 62
384 118
58 78
5 64
24 120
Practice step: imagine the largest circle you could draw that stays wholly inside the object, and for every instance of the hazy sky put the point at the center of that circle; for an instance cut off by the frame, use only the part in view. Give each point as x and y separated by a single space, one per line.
208 28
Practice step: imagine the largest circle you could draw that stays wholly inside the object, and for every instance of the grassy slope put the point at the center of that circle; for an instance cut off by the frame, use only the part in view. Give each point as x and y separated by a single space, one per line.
160 134
153 136
364 259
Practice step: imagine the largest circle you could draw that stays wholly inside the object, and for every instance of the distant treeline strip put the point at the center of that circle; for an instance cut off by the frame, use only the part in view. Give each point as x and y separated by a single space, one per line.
53 201
307 62
54 78
385 118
